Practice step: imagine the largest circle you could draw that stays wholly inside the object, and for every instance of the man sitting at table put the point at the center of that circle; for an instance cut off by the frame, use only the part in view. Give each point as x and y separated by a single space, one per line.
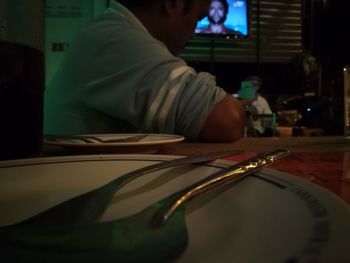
260 111
122 74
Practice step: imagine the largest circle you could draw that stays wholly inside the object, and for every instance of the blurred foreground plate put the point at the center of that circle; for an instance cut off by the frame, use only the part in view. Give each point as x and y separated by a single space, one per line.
269 217
149 143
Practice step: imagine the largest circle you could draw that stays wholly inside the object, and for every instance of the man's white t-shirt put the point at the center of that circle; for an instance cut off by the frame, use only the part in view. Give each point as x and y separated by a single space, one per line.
116 77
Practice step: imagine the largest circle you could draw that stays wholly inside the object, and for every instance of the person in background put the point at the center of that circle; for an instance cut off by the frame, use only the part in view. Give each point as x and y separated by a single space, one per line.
217 15
123 74
263 125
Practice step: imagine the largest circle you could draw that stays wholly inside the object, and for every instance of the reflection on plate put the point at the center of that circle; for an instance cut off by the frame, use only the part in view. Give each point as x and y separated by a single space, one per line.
114 142
269 217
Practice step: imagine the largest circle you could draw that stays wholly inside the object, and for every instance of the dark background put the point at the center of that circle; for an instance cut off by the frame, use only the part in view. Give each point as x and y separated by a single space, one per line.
325 29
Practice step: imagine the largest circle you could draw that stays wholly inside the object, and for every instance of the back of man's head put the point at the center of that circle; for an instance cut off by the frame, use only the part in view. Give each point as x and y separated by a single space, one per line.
135 3
256 79
141 4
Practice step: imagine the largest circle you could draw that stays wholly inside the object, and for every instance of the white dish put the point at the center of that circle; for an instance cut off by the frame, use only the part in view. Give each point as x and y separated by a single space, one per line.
148 142
269 217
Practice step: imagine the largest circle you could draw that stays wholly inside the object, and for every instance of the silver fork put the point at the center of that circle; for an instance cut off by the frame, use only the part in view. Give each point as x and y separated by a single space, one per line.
82 209
225 176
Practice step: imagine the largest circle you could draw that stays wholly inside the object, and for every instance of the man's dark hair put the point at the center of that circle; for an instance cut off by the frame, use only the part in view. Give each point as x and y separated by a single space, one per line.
225 5
137 4
255 78
132 4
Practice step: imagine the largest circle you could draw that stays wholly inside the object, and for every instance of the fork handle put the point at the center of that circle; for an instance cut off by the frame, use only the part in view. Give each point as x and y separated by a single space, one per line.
225 176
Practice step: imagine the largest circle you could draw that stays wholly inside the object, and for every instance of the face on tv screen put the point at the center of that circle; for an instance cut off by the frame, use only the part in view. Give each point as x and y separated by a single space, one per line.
225 17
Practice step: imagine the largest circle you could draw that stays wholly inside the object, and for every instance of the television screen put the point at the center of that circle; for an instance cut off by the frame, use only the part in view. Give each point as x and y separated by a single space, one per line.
227 18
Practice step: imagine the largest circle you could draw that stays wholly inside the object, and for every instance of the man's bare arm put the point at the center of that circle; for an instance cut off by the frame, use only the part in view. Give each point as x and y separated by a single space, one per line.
226 121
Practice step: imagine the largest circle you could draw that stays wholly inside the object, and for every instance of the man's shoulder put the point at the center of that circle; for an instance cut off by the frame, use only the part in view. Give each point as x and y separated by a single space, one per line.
261 98
259 101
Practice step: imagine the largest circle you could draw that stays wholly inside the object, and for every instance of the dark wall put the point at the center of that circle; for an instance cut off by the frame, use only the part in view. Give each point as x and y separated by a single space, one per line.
330 27
326 32
325 35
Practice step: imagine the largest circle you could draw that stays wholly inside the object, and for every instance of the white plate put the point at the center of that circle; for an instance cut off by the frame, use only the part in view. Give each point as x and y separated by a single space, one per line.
270 217
150 141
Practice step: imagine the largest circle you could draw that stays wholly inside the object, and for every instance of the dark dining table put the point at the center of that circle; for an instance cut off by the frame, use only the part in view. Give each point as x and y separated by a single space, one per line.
323 160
